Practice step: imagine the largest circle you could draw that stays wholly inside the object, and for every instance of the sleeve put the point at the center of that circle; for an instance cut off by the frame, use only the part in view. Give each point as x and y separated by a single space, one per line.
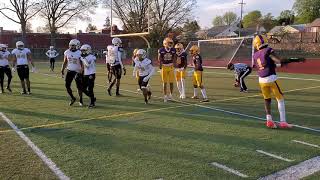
13 52
120 58
28 51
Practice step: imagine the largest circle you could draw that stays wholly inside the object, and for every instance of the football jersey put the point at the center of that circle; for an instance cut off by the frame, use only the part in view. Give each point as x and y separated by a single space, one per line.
52 53
166 56
264 63
91 60
21 55
4 55
240 67
197 62
113 55
144 67
73 59
182 60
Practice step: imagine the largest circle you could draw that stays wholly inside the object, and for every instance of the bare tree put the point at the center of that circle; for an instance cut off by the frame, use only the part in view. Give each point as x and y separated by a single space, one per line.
58 13
24 11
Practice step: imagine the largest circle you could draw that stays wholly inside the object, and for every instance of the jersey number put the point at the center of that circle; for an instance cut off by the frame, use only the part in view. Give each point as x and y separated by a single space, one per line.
260 66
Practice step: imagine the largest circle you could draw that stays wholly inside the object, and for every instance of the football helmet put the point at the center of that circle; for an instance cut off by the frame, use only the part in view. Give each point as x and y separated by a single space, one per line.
168 43
3 47
194 50
74 44
116 41
260 41
86 49
142 54
19 45
179 47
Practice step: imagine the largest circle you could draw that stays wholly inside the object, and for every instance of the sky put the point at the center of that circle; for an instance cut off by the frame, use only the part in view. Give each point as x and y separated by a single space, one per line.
204 13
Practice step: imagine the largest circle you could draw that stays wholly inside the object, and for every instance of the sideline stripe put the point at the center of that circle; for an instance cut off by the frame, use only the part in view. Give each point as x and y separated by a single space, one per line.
274 156
228 169
298 171
305 143
53 167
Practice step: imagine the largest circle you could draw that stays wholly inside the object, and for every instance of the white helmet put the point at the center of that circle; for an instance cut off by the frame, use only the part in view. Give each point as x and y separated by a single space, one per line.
74 42
51 47
116 41
3 47
19 44
86 49
142 52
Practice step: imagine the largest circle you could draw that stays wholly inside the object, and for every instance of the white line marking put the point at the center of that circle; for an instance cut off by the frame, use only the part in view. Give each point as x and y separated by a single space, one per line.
53 167
305 143
228 169
298 171
274 156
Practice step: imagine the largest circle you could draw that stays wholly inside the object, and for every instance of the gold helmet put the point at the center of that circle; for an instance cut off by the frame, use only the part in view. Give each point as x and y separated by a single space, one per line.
179 47
194 50
135 51
168 42
260 41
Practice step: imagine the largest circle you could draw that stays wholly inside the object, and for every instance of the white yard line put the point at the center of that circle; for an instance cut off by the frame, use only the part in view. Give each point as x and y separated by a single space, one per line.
274 156
298 171
305 143
53 167
230 170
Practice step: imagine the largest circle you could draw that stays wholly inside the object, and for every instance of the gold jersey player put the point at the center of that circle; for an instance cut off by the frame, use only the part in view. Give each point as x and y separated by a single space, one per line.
167 57
266 61
181 65
198 73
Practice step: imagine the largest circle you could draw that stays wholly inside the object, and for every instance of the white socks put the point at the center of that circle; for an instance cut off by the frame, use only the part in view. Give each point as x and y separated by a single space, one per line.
195 92
282 110
204 94
179 87
269 117
183 91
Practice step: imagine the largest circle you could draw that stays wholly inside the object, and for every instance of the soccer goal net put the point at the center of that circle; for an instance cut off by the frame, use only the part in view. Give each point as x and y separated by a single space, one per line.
217 53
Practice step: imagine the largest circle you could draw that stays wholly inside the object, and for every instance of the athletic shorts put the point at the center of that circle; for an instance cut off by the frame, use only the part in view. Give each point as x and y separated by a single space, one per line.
23 72
197 78
141 83
268 89
117 71
167 74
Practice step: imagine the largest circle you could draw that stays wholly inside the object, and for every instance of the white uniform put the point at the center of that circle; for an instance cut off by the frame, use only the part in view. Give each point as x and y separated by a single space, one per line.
113 55
52 53
4 58
21 55
89 64
144 67
73 60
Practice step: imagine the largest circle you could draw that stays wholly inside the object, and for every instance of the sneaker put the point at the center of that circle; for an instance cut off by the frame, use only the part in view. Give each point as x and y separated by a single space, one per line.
109 92
243 91
29 93
146 101
80 104
284 125
72 101
183 97
118 94
91 106
194 97
271 124
9 89
205 100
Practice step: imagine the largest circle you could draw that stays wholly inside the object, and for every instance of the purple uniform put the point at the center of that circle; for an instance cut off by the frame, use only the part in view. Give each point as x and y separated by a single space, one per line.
197 61
182 60
266 66
166 56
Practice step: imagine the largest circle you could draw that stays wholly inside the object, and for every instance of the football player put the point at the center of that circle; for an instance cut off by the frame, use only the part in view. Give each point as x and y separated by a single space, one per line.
108 67
241 71
89 64
21 58
266 61
4 67
198 74
52 54
144 66
181 65
74 69
167 57
115 60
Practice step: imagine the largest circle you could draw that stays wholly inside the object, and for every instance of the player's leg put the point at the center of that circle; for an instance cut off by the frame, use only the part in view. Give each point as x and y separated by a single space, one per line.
183 90
8 72
113 80
118 77
27 80
281 105
178 80
171 80
91 81
53 63
195 86
68 80
1 79
85 85
164 77
266 93
243 87
21 74
79 83
202 88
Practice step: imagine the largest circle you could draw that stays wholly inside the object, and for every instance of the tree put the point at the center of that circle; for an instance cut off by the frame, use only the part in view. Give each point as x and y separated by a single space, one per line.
229 18
252 19
286 17
107 24
218 21
58 13
24 11
307 10
91 27
29 27
189 31
164 16
268 21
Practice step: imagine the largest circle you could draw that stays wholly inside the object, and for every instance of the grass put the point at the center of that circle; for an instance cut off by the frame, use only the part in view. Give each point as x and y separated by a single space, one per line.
126 139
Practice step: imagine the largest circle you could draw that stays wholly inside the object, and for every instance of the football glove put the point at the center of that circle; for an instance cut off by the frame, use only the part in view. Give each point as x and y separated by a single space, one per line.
13 70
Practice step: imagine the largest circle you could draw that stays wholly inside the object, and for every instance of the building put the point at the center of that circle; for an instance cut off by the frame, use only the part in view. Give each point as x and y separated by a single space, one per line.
314 26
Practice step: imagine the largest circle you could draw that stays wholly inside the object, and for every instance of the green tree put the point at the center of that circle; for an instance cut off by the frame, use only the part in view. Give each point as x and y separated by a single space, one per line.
268 21
229 18
252 19
307 10
286 17
218 21
189 31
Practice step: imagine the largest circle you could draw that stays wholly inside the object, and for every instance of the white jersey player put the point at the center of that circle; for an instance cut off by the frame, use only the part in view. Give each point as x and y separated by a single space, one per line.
52 54
21 58
4 67
114 59
144 66
74 69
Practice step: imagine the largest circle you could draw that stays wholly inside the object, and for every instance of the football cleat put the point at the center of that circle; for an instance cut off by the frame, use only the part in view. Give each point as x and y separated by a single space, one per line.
284 125
9 89
194 97
271 124
205 100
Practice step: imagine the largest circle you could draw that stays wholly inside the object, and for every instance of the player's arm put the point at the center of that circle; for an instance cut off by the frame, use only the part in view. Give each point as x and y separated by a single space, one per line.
64 64
121 64
150 74
160 60
14 61
29 57
134 71
47 54
280 61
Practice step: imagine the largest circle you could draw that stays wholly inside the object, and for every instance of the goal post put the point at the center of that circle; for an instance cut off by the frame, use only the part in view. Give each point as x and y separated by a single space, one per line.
218 53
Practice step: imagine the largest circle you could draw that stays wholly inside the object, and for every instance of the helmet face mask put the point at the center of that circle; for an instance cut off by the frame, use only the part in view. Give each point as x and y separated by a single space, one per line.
168 43
3 47
20 45
179 48
141 54
85 50
51 47
74 45
116 41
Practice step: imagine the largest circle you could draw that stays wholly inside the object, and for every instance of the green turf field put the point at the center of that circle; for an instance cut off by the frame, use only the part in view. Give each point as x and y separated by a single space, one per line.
122 138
